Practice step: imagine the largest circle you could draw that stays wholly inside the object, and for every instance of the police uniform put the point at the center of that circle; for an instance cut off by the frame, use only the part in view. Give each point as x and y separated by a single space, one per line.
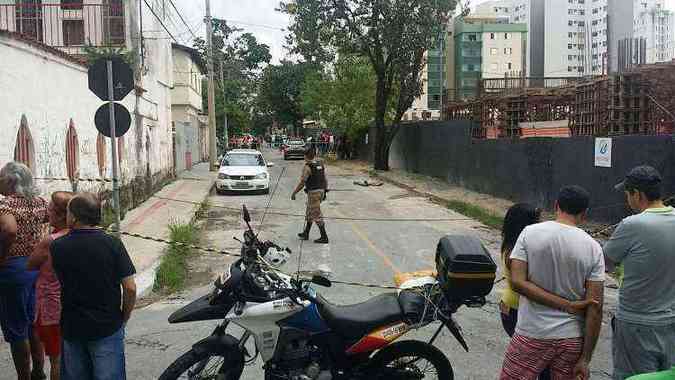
314 178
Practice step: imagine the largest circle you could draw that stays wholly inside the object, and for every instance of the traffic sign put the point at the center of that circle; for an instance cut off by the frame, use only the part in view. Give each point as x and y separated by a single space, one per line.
123 78
122 120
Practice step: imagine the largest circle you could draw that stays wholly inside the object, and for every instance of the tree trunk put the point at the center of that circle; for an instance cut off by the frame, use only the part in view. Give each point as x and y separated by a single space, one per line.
381 140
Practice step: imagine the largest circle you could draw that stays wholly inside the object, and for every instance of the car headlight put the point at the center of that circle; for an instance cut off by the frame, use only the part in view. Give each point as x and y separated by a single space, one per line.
223 176
261 176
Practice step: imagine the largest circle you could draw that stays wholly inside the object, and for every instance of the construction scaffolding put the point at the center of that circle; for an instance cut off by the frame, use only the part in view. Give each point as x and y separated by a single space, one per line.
639 101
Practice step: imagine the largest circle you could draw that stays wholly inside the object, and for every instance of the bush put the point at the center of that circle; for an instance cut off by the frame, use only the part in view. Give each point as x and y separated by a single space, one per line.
172 271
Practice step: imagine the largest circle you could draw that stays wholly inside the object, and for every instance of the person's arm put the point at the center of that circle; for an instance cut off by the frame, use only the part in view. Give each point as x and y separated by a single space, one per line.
128 297
523 286
8 231
125 272
305 174
40 254
619 245
594 292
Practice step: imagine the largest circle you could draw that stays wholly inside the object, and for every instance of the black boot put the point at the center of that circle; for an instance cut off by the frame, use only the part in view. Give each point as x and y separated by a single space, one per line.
304 235
324 237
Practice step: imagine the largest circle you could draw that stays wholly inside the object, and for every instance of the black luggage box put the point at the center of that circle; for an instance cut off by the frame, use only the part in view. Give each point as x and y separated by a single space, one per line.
466 271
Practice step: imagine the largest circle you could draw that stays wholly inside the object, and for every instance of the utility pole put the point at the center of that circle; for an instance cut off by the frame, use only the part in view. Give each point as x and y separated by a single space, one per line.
213 149
222 82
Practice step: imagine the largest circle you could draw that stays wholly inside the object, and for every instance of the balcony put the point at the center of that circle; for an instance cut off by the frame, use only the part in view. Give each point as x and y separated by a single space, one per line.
68 25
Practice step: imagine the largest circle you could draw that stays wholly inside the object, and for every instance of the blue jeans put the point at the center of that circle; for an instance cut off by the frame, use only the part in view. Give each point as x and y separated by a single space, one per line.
101 359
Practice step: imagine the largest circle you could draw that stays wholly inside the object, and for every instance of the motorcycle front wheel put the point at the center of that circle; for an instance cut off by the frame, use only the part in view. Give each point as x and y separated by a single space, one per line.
204 365
410 360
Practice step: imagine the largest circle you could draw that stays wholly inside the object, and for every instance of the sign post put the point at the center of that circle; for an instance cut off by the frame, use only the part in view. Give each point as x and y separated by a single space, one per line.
111 79
113 138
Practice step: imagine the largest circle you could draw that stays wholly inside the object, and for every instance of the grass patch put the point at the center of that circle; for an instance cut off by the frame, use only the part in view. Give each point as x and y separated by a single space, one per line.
476 212
203 210
172 271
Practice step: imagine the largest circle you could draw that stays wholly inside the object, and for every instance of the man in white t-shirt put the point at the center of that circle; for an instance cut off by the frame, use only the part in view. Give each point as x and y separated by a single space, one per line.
559 270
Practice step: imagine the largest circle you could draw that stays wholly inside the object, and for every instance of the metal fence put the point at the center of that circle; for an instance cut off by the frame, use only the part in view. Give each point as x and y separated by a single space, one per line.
68 25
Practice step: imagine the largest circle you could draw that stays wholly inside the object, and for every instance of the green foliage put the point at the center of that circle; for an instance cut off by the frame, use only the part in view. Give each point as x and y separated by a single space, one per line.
172 271
476 212
240 58
94 53
343 98
393 34
280 91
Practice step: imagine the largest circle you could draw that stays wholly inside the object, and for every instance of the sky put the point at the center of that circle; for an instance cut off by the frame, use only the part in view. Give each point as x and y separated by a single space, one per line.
255 16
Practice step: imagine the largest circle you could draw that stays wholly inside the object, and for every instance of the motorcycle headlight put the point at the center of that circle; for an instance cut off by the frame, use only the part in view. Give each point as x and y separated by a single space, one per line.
223 176
261 176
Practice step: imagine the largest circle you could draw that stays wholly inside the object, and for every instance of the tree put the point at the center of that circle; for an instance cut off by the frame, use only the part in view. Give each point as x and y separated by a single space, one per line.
342 97
280 89
242 59
393 34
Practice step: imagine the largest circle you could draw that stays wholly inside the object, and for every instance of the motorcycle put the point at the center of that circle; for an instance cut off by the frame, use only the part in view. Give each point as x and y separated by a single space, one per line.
301 336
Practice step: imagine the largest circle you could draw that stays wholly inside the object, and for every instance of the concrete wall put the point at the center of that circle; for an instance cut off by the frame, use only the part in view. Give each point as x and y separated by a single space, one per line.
50 89
530 170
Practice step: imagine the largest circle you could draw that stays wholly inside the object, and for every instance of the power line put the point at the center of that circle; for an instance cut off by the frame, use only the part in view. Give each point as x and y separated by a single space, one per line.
256 25
160 21
182 19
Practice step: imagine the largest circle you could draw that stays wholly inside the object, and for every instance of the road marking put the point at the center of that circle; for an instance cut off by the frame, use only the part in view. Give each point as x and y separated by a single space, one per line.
360 233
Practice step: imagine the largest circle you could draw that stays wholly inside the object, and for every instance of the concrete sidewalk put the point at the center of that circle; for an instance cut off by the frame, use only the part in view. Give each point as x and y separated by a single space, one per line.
153 217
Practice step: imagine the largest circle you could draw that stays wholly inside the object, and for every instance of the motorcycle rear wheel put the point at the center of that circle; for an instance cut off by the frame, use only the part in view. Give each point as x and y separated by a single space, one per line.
203 365
410 360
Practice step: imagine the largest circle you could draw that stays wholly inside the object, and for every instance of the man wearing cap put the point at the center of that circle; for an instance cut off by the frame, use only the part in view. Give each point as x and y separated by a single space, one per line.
644 325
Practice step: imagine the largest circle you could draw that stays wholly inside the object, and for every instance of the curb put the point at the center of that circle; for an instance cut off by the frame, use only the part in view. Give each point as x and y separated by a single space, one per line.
145 280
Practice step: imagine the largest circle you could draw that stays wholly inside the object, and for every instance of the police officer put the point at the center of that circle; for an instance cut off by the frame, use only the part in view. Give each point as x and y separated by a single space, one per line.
315 184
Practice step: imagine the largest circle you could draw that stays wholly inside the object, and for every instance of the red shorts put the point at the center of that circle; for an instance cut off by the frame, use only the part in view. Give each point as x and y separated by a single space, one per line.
526 358
50 336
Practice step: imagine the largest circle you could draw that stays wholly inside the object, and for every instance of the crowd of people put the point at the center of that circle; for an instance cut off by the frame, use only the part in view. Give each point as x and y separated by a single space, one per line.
552 306
67 293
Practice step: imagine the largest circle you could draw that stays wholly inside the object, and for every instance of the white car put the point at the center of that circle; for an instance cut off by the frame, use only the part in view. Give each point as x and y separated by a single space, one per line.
243 170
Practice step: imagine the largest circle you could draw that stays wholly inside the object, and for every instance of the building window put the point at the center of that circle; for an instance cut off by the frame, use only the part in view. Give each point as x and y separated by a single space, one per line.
71 4
507 36
113 22
494 51
494 67
570 23
492 36
508 51
570 68
28 18
24 151
73 32
509 66
569 46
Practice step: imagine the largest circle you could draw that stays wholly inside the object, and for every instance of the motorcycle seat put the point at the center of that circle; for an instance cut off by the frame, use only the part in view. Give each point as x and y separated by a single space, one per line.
353 322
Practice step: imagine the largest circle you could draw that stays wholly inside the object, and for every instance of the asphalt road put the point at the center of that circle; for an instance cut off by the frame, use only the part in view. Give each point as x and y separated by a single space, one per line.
362 251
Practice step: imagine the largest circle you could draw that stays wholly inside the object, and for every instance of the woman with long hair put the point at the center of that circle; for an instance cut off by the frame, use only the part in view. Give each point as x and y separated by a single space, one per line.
517 218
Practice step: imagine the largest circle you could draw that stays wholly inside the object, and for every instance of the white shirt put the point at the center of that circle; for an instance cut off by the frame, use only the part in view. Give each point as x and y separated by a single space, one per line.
560 259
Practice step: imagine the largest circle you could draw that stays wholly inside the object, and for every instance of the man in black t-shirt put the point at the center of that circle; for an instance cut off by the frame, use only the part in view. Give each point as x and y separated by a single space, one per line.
92 266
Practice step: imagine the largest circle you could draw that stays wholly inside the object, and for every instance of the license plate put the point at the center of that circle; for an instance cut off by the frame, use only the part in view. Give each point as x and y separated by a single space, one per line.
241 184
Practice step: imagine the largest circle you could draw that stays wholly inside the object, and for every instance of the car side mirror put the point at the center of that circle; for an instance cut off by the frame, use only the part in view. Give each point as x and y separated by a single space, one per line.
270 164
322 281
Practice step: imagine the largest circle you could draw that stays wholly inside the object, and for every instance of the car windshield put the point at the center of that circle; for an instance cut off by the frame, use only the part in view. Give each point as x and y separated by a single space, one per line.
243 160
296 142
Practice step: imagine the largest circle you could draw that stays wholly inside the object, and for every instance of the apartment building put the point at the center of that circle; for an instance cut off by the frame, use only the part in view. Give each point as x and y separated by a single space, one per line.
486 49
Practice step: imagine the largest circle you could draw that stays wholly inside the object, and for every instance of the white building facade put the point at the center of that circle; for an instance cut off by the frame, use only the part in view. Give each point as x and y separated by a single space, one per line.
570 38
49 111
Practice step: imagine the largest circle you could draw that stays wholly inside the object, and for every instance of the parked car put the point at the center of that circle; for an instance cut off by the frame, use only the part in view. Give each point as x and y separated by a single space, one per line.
294 148
243 170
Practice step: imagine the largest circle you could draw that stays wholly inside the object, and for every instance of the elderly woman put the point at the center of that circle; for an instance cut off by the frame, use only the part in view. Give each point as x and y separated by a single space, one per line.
22 218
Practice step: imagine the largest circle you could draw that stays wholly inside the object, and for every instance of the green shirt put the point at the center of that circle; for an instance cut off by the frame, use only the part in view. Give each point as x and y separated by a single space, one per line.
665 375
645 244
